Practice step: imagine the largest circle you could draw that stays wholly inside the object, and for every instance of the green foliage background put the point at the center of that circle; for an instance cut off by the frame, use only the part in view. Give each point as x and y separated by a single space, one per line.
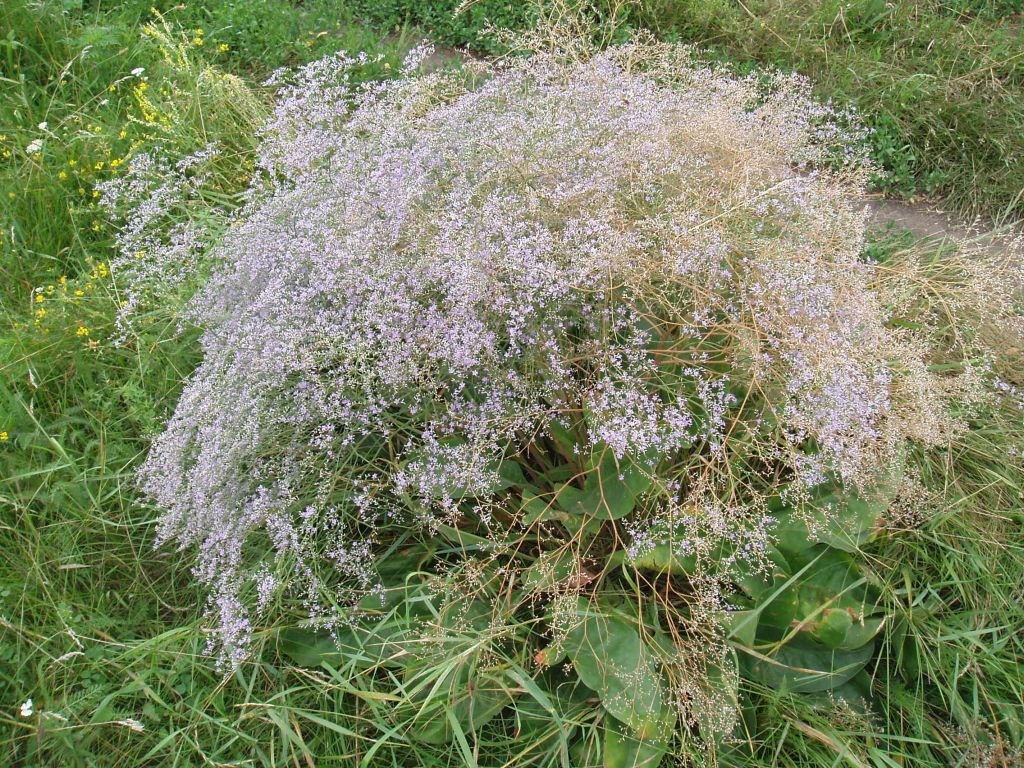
102 632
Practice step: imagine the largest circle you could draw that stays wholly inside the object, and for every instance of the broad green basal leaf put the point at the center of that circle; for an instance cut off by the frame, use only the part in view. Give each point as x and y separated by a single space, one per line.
623 750
835 602
804 665
611 659
841 519
462 698
610 489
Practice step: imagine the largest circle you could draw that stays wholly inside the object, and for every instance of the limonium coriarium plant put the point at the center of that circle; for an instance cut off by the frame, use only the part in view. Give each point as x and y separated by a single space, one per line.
452 300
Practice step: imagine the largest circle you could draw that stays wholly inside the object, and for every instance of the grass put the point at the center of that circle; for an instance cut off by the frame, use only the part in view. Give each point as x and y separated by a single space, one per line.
103 633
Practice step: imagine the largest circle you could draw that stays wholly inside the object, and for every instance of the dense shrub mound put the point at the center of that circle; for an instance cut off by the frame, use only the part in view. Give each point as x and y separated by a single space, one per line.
572 357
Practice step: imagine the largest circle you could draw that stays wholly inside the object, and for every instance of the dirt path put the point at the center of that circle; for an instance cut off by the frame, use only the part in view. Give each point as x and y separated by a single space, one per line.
921 220
930 222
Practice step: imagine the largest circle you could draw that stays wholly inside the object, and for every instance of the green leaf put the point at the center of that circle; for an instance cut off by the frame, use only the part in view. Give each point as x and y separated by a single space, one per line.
827 597
623 750
663 559
804 665
605 497
547 708
833 627
610 489
549 655
560 474
306 647
841 520
511 473
759 586
467 701
563 439
454 685
387 638
741 625
363 647
464 539
832 597
399 562
612 660
541 508
637 474
777 608
857 692
861 632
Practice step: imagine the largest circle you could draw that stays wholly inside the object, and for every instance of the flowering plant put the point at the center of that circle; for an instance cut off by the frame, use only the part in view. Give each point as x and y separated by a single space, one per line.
574 356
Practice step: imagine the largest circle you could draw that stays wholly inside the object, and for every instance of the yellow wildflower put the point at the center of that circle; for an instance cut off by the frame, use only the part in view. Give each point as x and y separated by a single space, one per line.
62 175
3 437
82 331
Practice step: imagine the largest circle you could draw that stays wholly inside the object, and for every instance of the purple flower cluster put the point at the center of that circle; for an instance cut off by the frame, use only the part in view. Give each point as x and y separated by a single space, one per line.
427 270
161 241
